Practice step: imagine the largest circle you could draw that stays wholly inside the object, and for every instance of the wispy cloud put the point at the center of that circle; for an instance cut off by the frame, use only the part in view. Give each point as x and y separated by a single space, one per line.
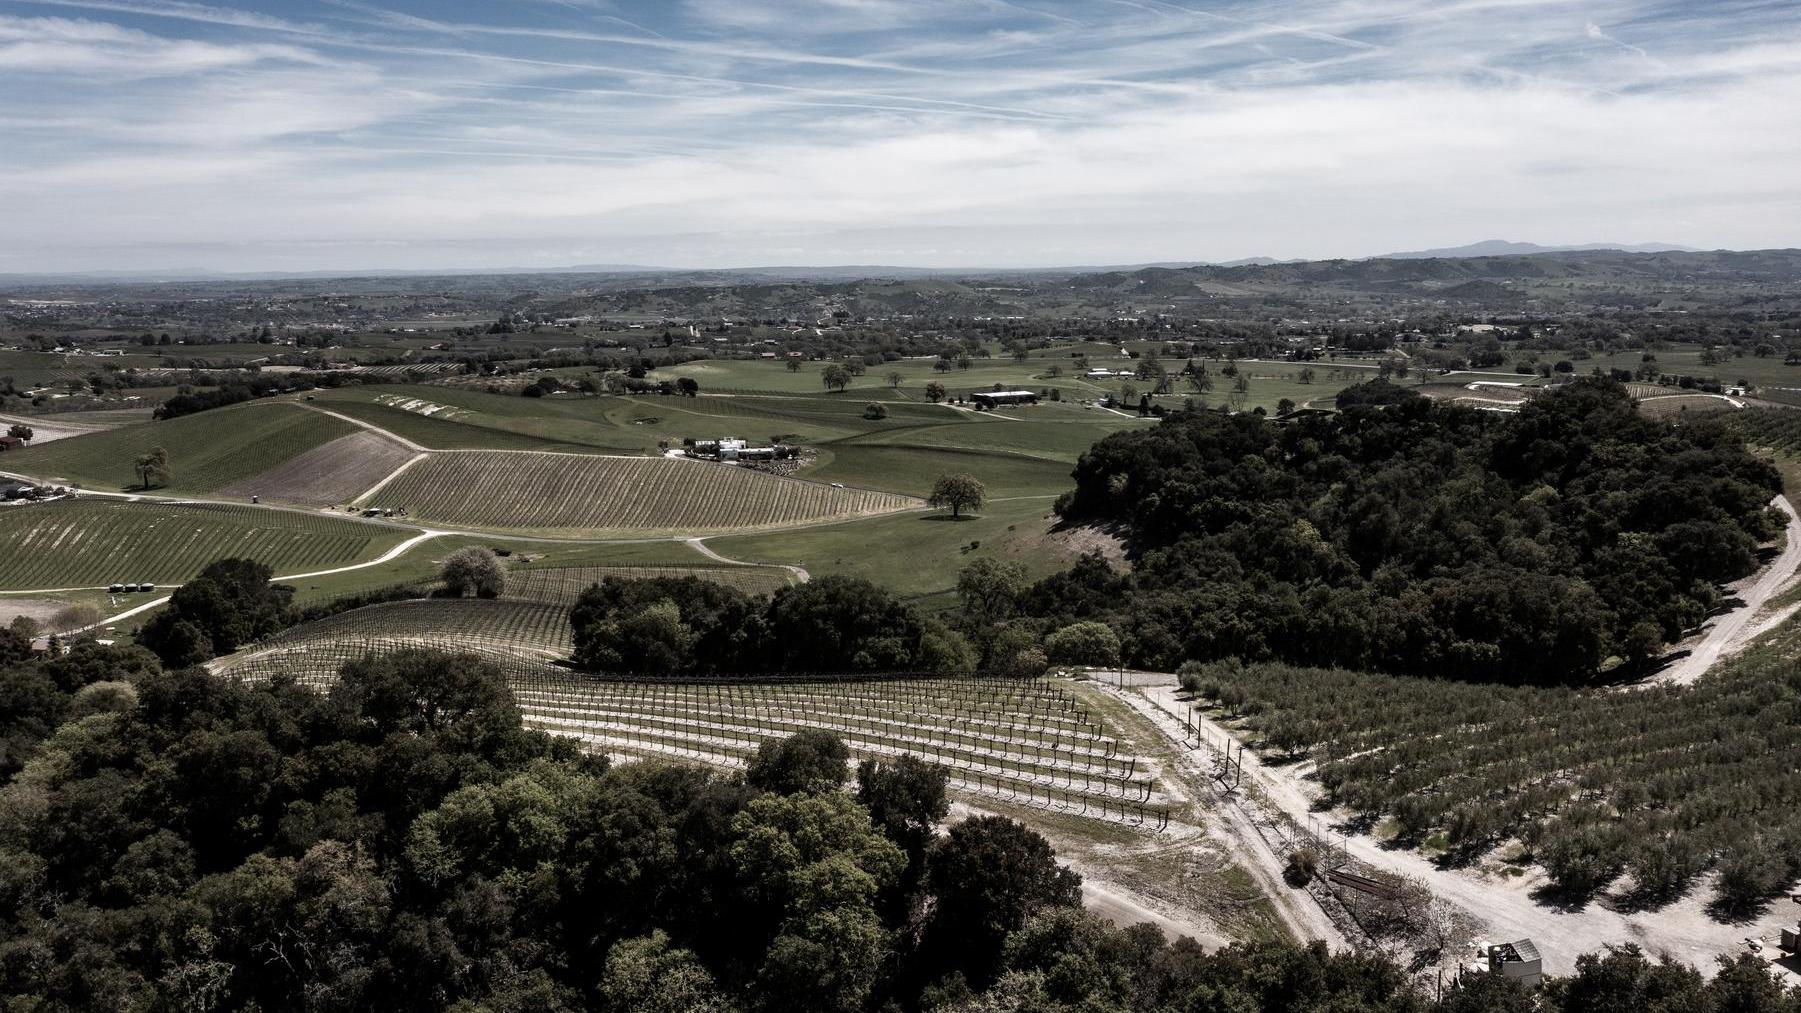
929 131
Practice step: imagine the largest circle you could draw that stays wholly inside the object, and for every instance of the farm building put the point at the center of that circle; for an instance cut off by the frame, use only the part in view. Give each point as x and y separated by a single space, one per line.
715 448
731 449
10 443
1003 398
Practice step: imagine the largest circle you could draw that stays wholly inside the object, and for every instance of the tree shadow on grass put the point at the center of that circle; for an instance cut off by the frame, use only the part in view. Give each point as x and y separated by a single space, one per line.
949 517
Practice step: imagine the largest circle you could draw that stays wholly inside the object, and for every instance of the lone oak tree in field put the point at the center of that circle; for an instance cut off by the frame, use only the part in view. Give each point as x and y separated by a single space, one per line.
958 491
835 376
153 468
934 392
474 569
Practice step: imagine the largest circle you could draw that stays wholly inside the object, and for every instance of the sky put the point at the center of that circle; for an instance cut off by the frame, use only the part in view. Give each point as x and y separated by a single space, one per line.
306 135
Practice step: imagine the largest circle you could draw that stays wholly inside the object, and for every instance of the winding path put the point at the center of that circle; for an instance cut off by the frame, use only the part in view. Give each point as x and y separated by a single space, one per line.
700 545
389 556
1732 631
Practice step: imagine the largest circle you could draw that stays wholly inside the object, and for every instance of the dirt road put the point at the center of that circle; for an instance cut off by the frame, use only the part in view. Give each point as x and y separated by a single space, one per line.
700 545
1122 909
1505 904
1235 822
372 427
392 554
1732 631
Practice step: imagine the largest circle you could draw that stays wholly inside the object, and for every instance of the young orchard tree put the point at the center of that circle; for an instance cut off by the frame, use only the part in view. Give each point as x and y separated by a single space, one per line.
958 491
474 570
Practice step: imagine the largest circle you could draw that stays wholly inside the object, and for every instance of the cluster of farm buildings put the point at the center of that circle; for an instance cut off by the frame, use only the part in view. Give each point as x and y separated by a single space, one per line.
730 448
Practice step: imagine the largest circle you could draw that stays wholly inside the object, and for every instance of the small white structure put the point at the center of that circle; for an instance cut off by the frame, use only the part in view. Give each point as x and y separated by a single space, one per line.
1518 960
1002 398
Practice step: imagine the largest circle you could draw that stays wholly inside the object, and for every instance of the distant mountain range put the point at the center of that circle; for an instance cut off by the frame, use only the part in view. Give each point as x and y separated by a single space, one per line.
802 273
1504 248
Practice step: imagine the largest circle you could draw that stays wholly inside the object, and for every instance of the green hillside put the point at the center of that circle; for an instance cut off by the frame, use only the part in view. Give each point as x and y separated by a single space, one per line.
207 451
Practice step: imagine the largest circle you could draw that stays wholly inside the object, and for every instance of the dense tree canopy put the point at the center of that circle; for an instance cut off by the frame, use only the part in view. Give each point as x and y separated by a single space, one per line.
665 625
170 840
230 604
1407 534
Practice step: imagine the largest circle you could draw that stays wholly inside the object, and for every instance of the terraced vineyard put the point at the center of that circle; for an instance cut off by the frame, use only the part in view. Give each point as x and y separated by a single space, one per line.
574 493
85 543
1025 741
563 585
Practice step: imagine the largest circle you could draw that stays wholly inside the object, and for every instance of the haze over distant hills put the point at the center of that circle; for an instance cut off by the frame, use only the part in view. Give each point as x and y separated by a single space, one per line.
812 273
1506 248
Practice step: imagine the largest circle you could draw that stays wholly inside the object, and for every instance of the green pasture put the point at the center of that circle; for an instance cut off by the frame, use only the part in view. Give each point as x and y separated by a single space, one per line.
207 450
911 470
773 376
913 554
425 560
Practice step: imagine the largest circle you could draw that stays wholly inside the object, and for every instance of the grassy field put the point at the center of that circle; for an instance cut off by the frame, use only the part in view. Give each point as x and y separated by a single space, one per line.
1685 360
424 561
912 470
562 585
440 433
585 495
207 451
914 554
94 542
